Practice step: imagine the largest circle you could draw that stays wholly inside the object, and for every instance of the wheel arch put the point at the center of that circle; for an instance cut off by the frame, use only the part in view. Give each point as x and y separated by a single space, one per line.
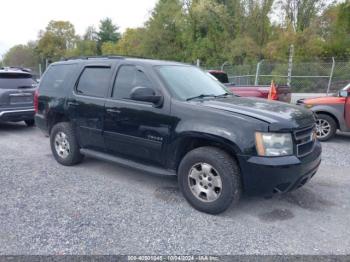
55 118
332 115
188 142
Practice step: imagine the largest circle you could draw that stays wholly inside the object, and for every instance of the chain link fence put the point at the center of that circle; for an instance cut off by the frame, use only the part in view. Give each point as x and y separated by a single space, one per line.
306 77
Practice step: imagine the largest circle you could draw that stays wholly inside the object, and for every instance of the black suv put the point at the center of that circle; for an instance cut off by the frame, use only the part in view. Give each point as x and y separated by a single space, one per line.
174 119
17 89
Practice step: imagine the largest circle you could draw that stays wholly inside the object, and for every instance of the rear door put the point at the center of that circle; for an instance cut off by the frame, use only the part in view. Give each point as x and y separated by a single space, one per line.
86 106
16 90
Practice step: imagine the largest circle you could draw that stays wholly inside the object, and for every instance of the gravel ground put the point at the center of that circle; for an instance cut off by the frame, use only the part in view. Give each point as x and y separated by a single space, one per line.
101 208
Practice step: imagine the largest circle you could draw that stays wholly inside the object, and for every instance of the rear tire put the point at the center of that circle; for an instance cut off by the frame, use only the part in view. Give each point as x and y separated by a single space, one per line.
29 122
326 127
209 179
64 145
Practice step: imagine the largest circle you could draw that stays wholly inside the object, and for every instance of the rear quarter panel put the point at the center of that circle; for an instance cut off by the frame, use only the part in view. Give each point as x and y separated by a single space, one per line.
52 100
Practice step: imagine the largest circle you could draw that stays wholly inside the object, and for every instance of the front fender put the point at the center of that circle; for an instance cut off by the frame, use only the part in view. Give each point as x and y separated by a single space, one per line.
179 146
239 135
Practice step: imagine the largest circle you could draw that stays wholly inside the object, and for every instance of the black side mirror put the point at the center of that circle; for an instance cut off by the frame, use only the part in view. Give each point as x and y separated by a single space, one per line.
344 93
145 94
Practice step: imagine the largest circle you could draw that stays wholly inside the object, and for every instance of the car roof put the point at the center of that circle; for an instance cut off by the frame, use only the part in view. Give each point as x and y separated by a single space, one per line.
139 61
15 70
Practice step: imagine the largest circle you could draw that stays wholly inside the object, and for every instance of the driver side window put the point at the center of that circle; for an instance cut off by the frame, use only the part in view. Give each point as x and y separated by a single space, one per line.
129 77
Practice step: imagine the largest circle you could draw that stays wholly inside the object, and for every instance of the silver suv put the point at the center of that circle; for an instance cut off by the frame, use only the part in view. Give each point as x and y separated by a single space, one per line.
17 88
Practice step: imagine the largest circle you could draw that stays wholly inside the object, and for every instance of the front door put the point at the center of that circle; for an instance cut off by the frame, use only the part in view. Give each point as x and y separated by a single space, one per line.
135 129
86 106
347 110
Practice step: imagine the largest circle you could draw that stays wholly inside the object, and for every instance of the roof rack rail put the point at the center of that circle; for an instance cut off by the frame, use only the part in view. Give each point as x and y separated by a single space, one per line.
105 57
90 57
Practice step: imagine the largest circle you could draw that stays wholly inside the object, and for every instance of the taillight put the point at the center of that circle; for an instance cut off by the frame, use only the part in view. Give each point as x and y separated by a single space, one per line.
36 101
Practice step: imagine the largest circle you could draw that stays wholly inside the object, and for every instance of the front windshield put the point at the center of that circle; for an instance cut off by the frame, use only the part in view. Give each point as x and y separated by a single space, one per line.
187 82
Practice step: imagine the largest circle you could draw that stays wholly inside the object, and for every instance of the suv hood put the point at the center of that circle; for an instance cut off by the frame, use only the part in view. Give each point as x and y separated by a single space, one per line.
327 100
279 115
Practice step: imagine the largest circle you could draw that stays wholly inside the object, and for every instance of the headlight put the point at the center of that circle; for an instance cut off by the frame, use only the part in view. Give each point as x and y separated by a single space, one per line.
274 144
308 106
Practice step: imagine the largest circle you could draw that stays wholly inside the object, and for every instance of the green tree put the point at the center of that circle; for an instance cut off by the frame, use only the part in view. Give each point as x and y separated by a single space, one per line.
300 13
22 55
207 32
85 45
163 35
83 48
336 30
257 24
108 48
131 42
108 32
236 10
58 38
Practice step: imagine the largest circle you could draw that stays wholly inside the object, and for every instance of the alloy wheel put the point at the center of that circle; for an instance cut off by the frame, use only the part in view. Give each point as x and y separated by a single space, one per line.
205 182
323 128
62 146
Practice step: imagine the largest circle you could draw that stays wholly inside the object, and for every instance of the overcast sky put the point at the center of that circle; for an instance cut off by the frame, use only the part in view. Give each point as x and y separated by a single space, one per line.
21 20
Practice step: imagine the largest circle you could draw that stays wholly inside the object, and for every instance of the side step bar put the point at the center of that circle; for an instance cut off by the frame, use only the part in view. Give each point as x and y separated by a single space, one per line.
128 163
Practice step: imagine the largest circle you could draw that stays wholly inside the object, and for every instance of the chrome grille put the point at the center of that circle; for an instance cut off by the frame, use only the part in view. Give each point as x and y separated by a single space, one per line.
305 140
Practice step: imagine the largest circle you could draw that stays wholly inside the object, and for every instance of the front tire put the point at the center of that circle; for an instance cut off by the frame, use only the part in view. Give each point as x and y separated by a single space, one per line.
209 179
326 127
64 145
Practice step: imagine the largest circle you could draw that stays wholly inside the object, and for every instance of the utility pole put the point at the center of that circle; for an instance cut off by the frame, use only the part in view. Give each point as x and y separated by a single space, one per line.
331 76
256 82
290 64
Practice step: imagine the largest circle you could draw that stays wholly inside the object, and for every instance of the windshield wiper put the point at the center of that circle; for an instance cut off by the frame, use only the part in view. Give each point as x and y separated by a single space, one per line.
224 95
200 96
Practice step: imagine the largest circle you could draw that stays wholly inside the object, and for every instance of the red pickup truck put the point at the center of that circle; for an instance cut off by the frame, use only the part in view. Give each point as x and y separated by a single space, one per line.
262 91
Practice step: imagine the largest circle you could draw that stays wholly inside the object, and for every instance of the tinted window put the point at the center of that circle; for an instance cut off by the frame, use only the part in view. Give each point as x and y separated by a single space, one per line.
94 81
16 80
222 77
129 77
188 81
56 76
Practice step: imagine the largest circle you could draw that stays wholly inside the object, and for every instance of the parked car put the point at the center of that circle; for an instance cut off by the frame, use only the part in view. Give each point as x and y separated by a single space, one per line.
173 119
16 95
333 113
262 91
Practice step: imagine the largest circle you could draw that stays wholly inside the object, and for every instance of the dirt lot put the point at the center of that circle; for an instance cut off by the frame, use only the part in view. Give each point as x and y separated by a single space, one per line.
101 208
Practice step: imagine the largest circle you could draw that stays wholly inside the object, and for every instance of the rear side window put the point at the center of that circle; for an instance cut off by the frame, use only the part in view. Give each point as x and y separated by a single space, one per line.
94 81
56 76
16 80
129 77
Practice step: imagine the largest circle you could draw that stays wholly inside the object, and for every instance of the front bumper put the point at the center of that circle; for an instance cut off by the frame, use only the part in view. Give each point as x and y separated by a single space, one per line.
16 115
267 175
